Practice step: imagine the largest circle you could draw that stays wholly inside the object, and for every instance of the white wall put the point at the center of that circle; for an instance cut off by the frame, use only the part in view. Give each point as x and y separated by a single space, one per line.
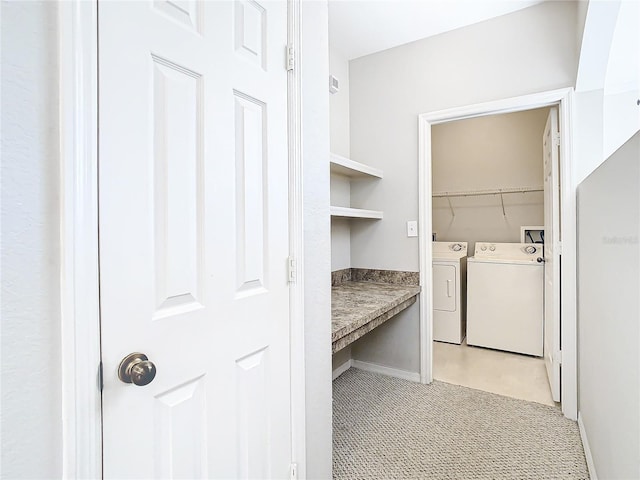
621 120
393 344
339 104
340 144
340 185
588 132
485 153
317 241
602 123
340 227
607 83
609 313
528 51
607 114
621 111
31 359
583 7
341 357
340 244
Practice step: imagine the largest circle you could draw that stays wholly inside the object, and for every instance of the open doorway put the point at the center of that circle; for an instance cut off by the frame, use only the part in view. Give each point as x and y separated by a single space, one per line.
493 207
563 335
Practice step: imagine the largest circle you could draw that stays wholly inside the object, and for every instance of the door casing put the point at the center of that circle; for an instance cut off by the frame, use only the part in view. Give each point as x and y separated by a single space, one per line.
79 276
564 99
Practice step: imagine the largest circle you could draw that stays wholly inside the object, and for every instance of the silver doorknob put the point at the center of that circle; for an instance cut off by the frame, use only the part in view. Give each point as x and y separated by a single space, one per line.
137 369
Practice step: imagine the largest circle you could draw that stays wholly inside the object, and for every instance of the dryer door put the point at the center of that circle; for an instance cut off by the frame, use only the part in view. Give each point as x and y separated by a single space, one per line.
444 287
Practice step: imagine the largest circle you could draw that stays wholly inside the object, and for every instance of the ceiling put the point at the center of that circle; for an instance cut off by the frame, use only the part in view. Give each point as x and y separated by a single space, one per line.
361 27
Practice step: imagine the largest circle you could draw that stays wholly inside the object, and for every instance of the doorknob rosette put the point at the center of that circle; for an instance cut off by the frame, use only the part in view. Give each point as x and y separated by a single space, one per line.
137 369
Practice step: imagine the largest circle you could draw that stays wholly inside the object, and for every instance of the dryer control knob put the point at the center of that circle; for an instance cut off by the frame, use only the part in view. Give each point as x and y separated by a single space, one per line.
492 248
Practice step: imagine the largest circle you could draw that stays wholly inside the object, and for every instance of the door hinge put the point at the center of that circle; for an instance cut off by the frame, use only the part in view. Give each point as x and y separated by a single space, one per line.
557 357
293 269
556 139
291 59
293 471
100 378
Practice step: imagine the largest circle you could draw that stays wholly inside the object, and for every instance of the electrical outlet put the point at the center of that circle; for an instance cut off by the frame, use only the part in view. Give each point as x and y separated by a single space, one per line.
412 228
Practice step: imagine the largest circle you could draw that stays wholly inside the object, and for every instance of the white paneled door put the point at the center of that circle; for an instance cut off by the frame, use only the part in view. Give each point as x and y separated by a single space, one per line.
551 144
194 238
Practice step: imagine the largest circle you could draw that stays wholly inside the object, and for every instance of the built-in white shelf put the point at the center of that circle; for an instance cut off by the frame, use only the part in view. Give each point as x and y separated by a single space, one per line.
351 168
347 212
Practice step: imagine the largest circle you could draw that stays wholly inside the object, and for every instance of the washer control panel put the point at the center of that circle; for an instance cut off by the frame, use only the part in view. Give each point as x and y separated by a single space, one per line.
450 249
510 251
457 247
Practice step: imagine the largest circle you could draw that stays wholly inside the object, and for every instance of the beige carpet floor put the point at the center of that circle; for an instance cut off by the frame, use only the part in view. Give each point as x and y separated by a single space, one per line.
387 428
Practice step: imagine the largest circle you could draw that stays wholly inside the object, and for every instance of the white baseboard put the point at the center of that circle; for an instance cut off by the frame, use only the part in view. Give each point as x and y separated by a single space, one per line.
391 372
341 369
587 449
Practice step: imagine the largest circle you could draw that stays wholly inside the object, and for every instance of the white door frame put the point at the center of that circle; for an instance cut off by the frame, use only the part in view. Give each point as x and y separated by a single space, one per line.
564 99
80 302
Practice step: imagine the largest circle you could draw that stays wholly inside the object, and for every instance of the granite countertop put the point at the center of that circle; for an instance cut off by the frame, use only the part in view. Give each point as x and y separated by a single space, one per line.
359 307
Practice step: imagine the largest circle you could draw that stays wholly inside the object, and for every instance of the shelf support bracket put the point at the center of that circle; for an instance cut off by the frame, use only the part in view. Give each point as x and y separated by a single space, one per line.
504 214
453 214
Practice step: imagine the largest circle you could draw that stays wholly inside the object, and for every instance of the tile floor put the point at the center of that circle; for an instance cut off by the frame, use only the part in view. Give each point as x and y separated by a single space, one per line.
509 374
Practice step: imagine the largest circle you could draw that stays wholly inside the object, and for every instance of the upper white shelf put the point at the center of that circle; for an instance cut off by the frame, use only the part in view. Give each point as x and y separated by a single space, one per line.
351 168
348 212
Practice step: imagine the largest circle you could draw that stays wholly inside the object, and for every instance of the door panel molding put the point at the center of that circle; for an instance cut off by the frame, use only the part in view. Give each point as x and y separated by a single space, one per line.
564 99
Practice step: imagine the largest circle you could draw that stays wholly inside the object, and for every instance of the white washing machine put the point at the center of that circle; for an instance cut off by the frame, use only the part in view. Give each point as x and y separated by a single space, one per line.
449 288
505 297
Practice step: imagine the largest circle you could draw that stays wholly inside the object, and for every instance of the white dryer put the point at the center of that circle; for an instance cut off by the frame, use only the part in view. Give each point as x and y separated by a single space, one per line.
505 297
449 287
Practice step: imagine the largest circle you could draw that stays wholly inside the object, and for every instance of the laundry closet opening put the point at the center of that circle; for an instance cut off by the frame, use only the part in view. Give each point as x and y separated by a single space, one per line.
495 272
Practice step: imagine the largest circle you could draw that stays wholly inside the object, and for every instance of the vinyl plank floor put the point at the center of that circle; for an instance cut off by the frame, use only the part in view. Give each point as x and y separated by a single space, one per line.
504 373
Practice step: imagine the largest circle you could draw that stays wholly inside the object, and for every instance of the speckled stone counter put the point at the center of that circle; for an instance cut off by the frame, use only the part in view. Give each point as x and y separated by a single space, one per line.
359 307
